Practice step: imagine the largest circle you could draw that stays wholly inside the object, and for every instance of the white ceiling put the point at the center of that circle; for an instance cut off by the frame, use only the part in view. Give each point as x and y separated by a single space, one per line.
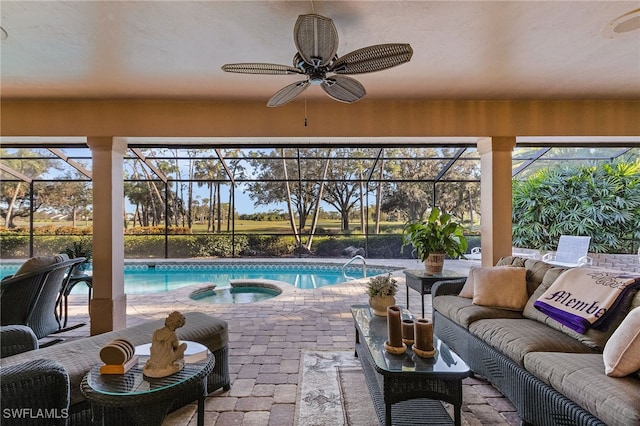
462 50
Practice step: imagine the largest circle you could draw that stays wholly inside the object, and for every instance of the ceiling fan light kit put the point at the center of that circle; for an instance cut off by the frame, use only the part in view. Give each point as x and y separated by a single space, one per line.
316 40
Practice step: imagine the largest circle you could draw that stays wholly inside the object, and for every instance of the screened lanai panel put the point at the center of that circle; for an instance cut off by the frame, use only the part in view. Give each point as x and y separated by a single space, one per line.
463 169
465 165
45 164
414 168
529 160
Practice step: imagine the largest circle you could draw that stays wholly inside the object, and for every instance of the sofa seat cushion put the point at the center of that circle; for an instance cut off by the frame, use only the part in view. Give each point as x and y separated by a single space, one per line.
517 337
463 312
581 378
79 356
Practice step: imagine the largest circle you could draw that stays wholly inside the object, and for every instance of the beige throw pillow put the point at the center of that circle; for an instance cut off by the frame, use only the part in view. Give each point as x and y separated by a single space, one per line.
503 287
467 289
621 354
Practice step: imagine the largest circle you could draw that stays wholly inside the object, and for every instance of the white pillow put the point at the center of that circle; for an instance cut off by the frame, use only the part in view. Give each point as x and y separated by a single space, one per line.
621 353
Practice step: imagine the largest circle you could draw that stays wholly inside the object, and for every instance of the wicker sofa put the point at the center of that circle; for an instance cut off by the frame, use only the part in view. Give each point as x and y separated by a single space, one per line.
77 357
551 374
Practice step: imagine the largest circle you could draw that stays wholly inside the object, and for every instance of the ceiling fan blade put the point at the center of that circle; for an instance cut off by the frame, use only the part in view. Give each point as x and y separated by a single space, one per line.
344 89
287 93
316 39
259 68
373 58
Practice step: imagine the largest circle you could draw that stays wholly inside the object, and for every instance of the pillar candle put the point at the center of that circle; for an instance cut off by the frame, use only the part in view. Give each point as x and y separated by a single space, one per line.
407 329
394 326
424 334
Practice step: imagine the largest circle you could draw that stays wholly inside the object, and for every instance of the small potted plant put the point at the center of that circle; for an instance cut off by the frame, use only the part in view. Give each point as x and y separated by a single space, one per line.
381 290
434 238
80 248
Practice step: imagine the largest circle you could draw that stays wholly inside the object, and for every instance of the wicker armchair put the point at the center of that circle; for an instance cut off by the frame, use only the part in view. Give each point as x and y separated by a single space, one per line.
34 393
30 298
15 339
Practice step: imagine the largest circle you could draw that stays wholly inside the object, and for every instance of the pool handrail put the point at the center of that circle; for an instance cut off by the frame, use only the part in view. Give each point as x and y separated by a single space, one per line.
353 259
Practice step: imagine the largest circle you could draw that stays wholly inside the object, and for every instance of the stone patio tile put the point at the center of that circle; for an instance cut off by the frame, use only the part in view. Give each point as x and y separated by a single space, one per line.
256 418
501 404
242 387
487 415
471 396
210 418
487 391
269 368
282 415
220 404
289 366
276 379
254 403
264 390
285 394
248 371
228 418
257 349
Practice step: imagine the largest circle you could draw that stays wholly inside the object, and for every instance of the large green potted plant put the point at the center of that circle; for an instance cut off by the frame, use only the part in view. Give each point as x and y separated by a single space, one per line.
434 238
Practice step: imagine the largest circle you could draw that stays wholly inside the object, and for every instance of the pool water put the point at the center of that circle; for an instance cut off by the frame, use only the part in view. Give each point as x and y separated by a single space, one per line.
142 279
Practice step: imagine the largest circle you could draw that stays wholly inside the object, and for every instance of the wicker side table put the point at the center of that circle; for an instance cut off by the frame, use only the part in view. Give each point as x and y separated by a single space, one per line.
145 400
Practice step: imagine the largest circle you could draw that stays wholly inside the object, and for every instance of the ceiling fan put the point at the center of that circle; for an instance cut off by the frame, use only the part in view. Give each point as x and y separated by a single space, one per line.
316 40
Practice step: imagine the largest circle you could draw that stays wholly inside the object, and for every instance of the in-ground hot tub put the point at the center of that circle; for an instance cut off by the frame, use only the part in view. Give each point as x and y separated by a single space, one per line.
239 292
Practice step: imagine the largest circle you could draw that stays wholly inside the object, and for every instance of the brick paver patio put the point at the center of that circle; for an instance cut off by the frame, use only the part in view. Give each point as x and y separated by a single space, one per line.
266 339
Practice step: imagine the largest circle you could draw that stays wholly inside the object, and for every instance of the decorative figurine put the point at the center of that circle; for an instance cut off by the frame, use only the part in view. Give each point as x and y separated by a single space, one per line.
166 355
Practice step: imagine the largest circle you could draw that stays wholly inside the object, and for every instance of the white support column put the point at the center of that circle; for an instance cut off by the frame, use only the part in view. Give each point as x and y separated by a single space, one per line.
109 304
495 197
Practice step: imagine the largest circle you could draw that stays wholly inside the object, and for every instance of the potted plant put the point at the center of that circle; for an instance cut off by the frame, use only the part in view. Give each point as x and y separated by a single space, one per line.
80 248
434 238
381 290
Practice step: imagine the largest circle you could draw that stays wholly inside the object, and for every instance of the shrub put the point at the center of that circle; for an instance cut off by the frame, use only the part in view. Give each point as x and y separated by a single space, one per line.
600 201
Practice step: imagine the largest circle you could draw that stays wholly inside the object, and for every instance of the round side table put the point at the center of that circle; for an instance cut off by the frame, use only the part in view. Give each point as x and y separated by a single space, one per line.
144 399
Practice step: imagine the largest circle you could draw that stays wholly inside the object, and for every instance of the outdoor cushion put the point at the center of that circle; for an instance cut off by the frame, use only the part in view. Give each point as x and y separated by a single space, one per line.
621 354
580 377
517 337
593 338
536 270
467 289
503 287
463 312
79 356
38 262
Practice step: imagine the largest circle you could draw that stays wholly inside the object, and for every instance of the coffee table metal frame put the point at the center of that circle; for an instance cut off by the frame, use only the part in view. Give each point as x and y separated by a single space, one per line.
396 378
146 400
421 281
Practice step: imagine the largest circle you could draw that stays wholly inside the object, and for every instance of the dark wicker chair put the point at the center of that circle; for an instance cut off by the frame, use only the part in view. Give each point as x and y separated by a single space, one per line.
15 339
30 298
34 393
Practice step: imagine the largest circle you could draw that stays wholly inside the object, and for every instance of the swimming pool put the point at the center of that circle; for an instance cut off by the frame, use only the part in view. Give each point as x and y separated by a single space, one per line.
161 277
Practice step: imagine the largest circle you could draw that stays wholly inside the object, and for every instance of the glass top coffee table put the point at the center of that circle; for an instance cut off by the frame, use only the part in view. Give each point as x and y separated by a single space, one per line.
406 386
146 400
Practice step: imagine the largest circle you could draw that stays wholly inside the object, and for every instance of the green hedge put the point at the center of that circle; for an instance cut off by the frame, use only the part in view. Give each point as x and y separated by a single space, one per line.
218 245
